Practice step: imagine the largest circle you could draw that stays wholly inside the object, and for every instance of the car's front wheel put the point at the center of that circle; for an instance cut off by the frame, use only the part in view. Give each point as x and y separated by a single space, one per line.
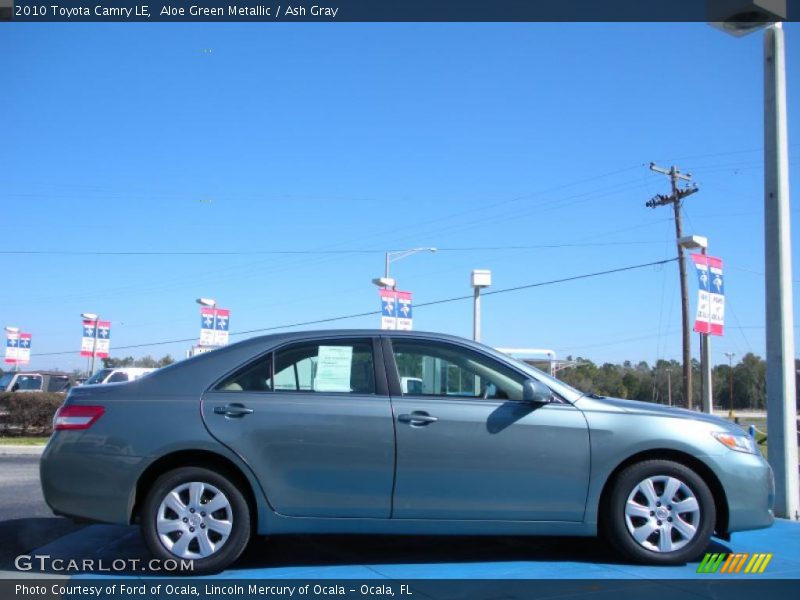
196 514
659 512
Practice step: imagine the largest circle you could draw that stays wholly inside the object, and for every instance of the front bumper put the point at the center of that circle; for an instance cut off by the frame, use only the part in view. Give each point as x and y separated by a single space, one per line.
749 487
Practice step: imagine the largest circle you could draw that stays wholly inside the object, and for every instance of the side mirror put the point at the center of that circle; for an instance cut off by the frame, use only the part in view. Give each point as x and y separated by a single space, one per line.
535 391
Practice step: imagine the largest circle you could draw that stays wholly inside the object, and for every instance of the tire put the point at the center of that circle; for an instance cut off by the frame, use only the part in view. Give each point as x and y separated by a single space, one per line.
643 520
175 526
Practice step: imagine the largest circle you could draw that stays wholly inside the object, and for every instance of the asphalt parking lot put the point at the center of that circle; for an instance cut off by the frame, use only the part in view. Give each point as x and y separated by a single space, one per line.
364 557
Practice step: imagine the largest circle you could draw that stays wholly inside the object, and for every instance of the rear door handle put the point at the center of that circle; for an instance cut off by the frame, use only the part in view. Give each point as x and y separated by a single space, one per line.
233 410
417 417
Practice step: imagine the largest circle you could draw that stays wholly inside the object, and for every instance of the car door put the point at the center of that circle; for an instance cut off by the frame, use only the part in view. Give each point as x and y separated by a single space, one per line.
313 420
469 447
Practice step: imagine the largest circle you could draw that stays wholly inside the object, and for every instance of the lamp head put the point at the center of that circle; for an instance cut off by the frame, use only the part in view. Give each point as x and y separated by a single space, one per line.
740 17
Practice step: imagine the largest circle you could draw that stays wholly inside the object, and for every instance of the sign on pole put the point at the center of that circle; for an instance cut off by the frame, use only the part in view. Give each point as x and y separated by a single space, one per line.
404 317
214 326
388 309
12 347
710 317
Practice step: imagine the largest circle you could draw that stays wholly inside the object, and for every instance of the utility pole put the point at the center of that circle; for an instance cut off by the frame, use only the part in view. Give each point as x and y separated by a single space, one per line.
678 194
730 356
669 387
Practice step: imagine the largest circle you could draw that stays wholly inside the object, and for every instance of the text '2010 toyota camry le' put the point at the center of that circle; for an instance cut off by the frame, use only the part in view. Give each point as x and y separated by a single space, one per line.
362 431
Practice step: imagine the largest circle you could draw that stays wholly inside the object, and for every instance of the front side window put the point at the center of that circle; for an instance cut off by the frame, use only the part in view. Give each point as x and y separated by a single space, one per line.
118 377
440 369
344 366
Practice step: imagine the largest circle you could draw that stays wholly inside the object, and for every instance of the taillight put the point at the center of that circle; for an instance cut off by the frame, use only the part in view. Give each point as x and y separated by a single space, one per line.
76 417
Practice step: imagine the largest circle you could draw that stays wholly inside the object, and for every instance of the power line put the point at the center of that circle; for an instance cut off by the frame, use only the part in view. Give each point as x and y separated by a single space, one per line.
310 252
377 312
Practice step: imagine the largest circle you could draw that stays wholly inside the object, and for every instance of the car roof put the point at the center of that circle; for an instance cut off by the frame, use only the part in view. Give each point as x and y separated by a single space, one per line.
194 375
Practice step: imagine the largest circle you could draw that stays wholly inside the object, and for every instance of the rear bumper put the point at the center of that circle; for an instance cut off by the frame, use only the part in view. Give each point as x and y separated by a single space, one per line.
81 483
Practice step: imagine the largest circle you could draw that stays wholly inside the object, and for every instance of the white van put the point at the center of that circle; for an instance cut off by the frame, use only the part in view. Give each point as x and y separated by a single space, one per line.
119 375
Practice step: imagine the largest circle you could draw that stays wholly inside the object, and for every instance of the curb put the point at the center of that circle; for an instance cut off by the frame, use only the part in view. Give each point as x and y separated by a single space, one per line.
14 450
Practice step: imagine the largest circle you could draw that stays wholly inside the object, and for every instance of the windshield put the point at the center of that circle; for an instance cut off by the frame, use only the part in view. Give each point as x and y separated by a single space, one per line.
5 380
98 377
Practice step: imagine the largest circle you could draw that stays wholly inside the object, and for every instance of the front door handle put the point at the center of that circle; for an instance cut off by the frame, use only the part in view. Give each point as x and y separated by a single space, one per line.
418 418
233 410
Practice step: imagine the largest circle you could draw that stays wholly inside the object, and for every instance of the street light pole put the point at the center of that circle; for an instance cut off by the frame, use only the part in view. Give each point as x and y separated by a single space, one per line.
738 20
781 407
395 255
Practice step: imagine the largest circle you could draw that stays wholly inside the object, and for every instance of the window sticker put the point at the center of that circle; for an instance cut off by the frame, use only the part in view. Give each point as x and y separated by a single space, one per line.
334 365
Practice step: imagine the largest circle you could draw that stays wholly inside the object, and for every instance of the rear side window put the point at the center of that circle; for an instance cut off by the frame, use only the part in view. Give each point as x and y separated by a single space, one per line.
329 366
254 377
58 383
117 377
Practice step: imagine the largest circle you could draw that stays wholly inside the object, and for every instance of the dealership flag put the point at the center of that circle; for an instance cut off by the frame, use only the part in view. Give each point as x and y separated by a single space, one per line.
24 349
214 326
101 344
12 347
388 309
221 329
206 326
404 316
710 295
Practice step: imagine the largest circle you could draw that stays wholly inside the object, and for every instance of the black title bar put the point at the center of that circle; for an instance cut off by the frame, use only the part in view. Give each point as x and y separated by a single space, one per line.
398 10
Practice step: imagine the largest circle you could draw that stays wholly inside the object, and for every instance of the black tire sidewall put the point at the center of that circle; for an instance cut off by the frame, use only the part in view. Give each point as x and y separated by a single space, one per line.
614 518
240 533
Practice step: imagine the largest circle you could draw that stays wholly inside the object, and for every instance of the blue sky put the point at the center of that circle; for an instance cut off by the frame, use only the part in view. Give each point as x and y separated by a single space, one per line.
185 137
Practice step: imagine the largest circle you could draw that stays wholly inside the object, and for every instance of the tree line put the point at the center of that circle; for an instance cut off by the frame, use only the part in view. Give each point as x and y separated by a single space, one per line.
662 381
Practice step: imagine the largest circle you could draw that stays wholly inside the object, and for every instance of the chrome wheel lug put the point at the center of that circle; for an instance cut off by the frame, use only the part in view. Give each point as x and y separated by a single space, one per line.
202 514
185 520
203 525
657 522
191 529
652 514
669 519
191 510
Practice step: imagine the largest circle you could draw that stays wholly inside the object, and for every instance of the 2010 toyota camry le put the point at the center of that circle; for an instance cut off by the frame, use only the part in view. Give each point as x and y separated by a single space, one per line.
367 431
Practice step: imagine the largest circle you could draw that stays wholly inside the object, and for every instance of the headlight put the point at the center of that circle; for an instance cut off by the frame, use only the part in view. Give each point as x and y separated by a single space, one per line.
736 441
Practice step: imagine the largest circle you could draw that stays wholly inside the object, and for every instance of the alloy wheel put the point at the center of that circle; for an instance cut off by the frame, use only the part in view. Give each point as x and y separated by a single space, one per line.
194 520
662 513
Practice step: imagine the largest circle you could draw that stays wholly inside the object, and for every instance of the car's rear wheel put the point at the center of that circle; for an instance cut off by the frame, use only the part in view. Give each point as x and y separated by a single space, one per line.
196 514
660 512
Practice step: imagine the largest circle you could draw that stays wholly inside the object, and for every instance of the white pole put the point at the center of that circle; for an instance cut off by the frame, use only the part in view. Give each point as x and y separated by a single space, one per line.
476 315
781 407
